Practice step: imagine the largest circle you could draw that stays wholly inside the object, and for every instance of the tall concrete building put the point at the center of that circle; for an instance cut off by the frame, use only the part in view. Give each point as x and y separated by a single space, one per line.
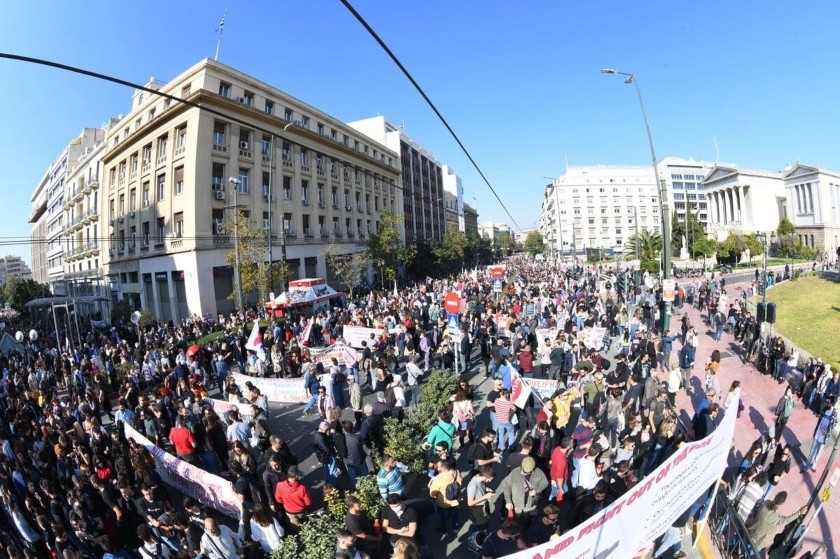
13 267
469 220
743 200
421 179
813 206
599 206
453 199
48 216
304 176
683 180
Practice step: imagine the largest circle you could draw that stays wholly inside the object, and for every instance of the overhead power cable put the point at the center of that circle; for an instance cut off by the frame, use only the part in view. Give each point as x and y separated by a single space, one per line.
419 89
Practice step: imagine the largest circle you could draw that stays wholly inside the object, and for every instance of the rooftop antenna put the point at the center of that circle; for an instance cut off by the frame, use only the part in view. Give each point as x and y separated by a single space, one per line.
219 30
717 153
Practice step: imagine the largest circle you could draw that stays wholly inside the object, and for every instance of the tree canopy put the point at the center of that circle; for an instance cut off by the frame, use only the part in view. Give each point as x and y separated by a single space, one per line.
650 246
385 247
785 228
256 275
694 230
350 268
18 291
534 243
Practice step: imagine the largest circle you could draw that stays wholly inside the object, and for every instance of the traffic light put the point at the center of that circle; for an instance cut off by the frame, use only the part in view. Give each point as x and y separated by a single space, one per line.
771 313
761 312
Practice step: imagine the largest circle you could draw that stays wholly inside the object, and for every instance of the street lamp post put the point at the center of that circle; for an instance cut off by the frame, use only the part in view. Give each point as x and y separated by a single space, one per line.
238 271
664 210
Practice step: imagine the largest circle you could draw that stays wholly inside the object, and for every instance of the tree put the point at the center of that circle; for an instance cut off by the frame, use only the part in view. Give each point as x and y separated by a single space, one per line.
694 231
254 271
18 291
755 246
650 246
731 248
386 247
534 243
508 244
350 268
785 228
704 247
453 248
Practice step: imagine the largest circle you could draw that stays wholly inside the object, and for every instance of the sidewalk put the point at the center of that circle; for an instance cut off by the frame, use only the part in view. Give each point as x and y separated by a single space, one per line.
760 394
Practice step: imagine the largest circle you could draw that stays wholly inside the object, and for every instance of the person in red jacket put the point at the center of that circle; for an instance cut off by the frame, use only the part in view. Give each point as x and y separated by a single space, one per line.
294 497
526 362
184 442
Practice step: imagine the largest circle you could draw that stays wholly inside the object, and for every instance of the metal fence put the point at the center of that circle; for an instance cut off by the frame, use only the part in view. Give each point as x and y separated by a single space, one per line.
729 534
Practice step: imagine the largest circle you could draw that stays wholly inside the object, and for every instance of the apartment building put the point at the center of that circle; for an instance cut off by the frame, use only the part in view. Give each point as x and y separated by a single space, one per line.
743 200
453 198
599 206
304 176
683 183
421 179
13 267
48 214
813 206
468 221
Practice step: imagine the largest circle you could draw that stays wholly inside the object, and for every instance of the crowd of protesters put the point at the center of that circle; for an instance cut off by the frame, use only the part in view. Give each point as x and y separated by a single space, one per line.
73 485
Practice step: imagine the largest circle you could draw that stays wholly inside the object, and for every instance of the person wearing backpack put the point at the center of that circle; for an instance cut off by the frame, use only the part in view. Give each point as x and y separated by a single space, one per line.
784 409
443 430
445 490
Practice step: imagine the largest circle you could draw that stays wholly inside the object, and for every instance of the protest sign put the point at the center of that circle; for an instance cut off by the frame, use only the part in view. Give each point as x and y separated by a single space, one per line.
593 338
651 506
355 335
345 355
286 390
209 490
222 407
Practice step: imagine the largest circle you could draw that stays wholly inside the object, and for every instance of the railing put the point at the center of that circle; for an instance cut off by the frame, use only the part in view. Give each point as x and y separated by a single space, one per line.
728 531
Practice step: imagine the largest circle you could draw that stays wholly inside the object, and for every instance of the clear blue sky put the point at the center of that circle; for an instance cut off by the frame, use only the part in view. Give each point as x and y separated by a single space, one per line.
519 81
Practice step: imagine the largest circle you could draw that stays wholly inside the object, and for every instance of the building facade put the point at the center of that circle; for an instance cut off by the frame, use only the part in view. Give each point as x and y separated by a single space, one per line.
453 199
813 206
302 175
599 206
13 267
469 220
421 179
743 200
683 180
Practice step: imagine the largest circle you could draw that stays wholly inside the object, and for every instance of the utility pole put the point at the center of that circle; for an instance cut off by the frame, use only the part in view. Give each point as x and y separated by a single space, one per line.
238 271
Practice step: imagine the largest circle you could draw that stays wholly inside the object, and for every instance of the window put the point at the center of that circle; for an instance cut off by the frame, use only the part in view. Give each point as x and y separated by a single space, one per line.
224 89
676 177
132 200
304 192
304 121
218 221
217 181
181 137
266 221
178 220
287 188
679 196
348 225
288 224
333 135
122 205
336 226
161 187
145 194
304 158
321 199
244 138
135 163
248 98
147 154
244 177
322 225
185 91
320 128
161 229
266 183
144 232
288 115
179 180
266 145
269 107
347 198
219 131
307 230
335 196
287 151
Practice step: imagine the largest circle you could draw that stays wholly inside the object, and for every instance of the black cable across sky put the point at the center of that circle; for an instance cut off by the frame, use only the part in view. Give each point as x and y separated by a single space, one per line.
419 89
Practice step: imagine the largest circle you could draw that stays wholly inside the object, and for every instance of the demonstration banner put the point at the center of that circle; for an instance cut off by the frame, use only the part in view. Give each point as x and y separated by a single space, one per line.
209 490
542 334
542 388
651 506
593 338
285 390
222 407
345 355
355 335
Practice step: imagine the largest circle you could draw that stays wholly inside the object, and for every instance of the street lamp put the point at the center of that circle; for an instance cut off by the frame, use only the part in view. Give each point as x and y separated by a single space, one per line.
238 271
664 210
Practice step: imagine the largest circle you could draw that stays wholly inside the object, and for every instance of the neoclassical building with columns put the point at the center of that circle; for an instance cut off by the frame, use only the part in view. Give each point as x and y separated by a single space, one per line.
743 200
813 206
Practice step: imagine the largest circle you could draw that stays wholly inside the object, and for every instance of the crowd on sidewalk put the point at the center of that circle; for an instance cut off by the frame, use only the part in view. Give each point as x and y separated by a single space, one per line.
518 472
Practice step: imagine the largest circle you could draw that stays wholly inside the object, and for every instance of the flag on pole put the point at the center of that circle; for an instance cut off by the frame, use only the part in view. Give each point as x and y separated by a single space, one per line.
519 389
306 332
255 342
221 26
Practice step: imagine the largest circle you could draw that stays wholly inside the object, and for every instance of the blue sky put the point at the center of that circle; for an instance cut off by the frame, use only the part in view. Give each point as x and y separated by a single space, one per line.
518 81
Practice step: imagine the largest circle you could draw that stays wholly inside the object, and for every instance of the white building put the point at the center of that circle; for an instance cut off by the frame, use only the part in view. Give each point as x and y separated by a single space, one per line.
453 198
683 178
813 206
599 206
13 267
743 200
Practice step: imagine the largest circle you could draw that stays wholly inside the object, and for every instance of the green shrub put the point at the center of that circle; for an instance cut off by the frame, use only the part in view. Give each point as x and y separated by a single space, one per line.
402 441
434 398
366 491
652 266
207 340
315 539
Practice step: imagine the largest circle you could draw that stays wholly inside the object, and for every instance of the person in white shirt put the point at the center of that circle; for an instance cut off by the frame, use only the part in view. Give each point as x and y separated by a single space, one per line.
219 542
585 477
399 393
265 530
151 548
413 374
